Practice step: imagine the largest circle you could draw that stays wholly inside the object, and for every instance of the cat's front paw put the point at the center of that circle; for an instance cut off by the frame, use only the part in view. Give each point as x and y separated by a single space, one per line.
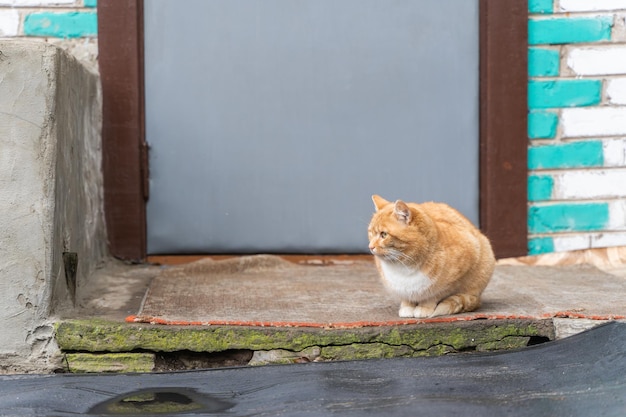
406 309
424 310
422 313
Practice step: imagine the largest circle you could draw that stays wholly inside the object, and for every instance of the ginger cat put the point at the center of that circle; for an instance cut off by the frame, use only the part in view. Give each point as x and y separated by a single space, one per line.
430 256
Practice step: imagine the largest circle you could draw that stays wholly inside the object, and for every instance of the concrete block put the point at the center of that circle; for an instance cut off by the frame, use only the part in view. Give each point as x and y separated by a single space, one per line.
588 153
569 327
590 6
361 343
61 25
552 218
597 121
616 91
553 31
540 6
542 124
563 93
282 356
543 62
597 60
540 187
50 192
109 362
9 22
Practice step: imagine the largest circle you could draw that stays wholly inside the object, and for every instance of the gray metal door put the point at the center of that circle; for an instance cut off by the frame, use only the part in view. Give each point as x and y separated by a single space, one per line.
272 122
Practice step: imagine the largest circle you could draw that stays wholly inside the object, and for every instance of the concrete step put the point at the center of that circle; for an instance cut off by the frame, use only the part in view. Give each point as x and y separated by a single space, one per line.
107 346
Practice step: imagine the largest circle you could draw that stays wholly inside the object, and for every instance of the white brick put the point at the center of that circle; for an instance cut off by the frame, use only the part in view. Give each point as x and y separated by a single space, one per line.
599 184
618 34
605 240
598 60
616 90
563 243
617 215
594 121
590 5
9 22
614 153
571 242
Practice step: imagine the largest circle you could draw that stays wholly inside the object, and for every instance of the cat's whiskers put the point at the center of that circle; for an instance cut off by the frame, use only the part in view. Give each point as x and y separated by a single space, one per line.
402 258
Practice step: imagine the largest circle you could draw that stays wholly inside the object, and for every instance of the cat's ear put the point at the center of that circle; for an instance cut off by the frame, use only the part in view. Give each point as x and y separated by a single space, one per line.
402 212
379 202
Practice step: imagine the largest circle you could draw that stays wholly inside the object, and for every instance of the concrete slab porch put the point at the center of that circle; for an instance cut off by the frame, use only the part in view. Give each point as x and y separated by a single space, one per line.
96 338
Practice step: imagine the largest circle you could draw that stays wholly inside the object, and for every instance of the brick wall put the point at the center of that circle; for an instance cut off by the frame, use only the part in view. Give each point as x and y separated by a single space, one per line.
71 24
577 124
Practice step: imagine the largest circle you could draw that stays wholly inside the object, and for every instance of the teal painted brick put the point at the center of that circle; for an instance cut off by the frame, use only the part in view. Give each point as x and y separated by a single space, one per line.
563 93
542 124
569 30
540 6
61 25
569 155
568 217
90 3
540 187
543 62
540 245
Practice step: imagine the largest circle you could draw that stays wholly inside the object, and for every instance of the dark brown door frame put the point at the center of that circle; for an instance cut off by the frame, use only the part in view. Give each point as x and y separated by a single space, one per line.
120 57
503 125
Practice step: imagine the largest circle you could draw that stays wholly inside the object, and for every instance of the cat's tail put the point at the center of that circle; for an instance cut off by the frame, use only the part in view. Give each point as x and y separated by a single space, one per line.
458 303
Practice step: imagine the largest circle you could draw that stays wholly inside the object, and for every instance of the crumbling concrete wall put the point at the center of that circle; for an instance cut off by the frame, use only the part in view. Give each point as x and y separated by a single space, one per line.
50 195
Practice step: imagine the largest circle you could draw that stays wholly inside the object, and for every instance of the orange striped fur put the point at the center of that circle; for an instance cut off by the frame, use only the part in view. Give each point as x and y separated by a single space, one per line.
430 256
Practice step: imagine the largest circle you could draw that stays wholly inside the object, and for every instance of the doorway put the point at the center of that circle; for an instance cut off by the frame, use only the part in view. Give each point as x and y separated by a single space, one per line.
502 126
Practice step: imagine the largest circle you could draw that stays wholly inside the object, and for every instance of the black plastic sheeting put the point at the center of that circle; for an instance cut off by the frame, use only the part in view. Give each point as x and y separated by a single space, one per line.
584 375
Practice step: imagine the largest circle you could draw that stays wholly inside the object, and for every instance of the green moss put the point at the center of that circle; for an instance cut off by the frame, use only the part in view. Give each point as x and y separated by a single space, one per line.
461 337
97 336
509 342
361 343
109 362
356 351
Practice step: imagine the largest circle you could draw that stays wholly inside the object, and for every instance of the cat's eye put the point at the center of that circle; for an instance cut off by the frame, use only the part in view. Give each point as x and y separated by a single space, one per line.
383 235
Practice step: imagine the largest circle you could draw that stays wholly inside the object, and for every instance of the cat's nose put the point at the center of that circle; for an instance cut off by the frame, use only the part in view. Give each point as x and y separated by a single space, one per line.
372 249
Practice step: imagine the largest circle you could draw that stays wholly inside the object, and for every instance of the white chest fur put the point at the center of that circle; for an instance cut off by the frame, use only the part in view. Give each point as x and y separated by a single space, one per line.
408 284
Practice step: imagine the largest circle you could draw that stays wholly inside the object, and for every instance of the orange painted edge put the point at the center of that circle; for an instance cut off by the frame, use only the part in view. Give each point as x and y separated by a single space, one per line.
358 324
